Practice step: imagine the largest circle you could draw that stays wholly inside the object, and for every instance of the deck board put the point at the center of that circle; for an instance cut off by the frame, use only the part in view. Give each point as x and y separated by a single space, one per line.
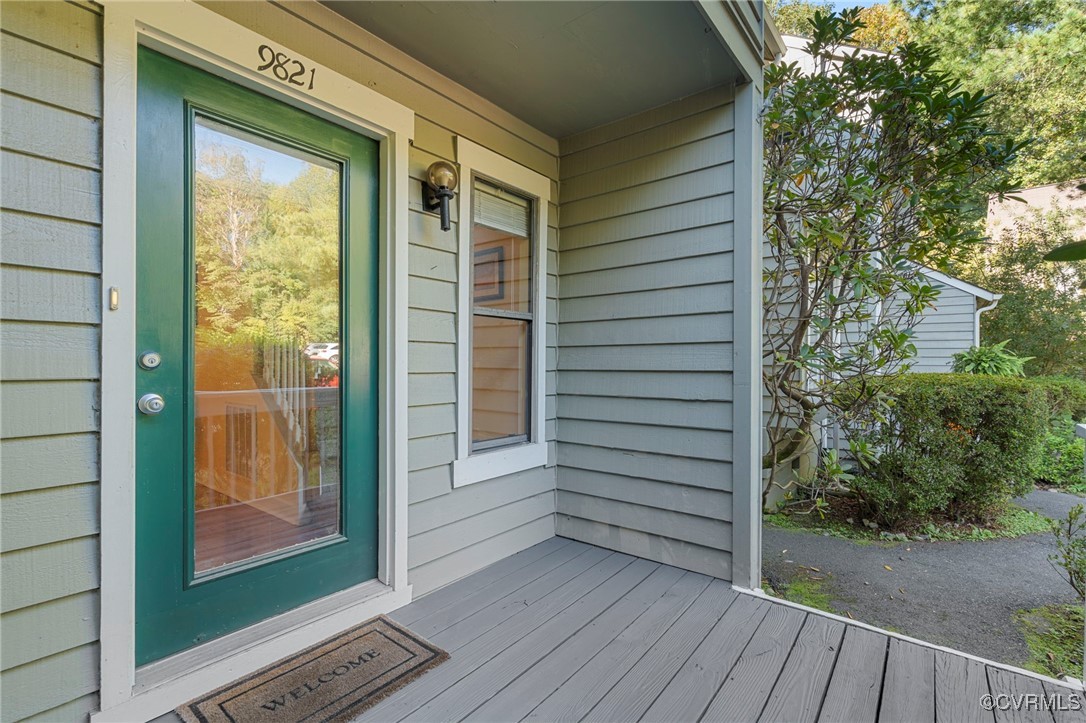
746 689
575 697
1022 688
469 693
637 690
410 698
692 689
1070 707
908 691
960 683
798 694
856 683
518 698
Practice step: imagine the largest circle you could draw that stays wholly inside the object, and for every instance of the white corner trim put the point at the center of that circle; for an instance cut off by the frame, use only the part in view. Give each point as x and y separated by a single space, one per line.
468 468
209 41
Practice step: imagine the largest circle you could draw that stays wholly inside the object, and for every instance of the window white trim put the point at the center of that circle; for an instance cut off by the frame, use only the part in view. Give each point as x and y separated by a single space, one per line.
469 467
207 40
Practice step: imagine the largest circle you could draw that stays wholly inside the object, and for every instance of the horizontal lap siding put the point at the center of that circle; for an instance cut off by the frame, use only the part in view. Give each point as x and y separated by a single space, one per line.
645 340
452 532
944 331
51 103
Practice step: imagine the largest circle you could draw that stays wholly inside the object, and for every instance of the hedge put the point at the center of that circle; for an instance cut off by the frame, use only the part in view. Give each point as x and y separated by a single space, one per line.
1065 396
957 445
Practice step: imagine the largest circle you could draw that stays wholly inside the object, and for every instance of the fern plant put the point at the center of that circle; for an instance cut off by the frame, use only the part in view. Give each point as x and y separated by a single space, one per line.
993 360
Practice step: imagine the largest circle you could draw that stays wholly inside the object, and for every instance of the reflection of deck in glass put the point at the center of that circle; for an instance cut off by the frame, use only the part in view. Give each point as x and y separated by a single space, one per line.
267 474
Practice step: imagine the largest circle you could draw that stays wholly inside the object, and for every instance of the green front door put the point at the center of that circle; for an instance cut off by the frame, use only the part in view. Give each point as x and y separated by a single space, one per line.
256 361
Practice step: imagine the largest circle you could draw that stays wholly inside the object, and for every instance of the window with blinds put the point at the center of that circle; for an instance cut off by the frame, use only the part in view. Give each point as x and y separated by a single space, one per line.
502 316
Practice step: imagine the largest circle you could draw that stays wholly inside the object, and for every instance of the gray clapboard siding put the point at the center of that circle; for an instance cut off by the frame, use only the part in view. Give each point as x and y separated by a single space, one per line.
694 443
707 386
651 222
40 574
75 710
425 484
944 330
31 409
673 330
40 517
655 519
662 468
43 462
708 561
42 74
43 295
662 115
49 243
663 137
644 388
686 499
53 627
33 351
50 303
654 194
50 682
75 138
50 188
69 28
431 420
711 151
666 413
673 274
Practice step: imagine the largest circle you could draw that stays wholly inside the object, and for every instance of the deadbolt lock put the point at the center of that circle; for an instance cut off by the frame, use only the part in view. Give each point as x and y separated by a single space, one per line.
150 359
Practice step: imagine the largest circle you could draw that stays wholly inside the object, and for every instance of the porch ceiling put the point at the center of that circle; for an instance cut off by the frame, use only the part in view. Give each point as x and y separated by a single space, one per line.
563 67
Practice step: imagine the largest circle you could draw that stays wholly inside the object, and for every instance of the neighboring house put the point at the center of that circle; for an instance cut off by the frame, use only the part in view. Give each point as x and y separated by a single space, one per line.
1065 196
953 325
194 194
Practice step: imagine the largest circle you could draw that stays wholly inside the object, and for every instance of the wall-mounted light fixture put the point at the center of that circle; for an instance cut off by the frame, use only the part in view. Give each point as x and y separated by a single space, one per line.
437 189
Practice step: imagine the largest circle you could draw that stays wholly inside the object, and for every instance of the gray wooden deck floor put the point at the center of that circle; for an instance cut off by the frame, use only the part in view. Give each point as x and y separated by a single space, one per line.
568 631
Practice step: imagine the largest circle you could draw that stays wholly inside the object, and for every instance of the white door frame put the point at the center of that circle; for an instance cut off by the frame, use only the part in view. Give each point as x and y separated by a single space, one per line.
202 38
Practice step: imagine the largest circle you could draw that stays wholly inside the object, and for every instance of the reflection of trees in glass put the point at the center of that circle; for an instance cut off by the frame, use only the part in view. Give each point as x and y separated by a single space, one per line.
267 254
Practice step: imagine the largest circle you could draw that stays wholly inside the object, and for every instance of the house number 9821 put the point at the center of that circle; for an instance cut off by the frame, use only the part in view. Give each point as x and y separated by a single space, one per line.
285 68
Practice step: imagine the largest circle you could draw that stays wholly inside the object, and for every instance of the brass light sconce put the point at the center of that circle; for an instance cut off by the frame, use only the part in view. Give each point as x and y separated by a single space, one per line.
437 189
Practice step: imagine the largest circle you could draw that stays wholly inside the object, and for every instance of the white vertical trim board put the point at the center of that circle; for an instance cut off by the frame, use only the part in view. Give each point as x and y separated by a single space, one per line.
202 38
468 468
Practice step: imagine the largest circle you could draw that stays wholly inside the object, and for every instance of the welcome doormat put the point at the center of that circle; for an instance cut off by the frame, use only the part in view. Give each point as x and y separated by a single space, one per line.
332 681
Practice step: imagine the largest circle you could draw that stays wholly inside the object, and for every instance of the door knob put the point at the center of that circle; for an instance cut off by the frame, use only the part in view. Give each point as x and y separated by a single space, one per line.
151 403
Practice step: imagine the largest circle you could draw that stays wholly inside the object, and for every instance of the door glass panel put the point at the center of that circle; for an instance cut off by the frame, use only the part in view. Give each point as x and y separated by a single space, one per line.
266 356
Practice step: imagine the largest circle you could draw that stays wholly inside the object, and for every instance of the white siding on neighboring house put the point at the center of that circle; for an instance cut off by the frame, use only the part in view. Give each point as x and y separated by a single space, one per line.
50 111
645 389
452 532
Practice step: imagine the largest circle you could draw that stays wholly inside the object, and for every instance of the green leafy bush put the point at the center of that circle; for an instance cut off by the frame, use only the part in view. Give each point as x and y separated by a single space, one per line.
1066 396
1061 462
955 445
993 360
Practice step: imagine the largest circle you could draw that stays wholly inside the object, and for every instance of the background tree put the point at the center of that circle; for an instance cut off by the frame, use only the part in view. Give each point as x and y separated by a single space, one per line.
1043 309
1031 56
885 25
872 164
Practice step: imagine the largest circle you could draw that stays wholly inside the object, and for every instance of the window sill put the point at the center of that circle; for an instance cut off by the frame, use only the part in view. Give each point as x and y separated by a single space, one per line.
482 466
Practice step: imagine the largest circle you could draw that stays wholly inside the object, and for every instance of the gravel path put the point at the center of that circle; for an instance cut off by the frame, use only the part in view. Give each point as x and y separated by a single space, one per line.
958 594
